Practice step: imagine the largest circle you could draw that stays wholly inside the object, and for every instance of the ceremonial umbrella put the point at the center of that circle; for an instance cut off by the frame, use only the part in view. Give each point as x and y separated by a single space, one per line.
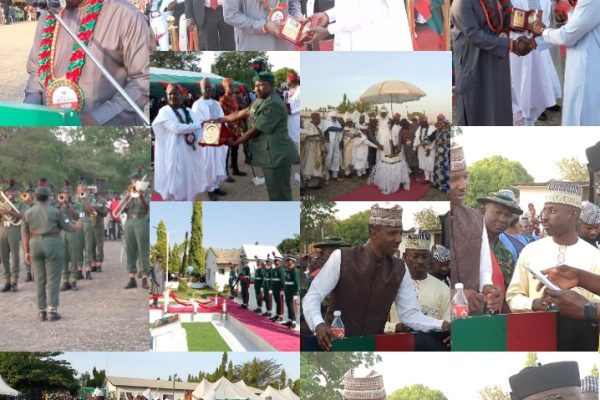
391 92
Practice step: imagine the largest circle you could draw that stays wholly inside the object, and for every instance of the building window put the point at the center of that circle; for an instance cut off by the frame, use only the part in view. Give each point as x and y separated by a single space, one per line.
221 271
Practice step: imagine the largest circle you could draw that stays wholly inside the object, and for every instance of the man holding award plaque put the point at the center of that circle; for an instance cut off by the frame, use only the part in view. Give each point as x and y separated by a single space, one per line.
581 36
259 23
61 76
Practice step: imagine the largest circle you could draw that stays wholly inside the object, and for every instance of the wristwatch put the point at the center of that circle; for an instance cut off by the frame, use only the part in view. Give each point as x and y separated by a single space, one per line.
590 311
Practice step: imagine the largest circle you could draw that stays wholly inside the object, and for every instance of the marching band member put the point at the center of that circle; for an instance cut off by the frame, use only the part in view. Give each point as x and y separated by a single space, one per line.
10 236
72 241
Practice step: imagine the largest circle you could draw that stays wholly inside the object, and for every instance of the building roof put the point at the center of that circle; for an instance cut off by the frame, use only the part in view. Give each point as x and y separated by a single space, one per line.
226 256
542 184
150 383
260 251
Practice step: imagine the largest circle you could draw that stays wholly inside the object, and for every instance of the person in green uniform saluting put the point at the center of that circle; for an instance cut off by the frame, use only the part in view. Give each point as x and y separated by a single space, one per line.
10 236
72 241
43 248
270 145
292 286
137 231
258 284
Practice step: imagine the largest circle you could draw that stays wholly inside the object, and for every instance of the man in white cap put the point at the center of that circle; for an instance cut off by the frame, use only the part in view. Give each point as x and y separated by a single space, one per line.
98 394
471 262
333 132
433 294
562 246
589 223
362 282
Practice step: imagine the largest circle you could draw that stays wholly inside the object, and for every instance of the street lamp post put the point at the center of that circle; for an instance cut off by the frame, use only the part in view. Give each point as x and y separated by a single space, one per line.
174 380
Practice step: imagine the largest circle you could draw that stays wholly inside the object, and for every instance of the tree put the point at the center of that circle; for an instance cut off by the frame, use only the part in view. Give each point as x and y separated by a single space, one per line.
97 379
281 75
282 379
321 373
160 248
289 245
492 174
493 393
417 392
315 215
182 60
532 360
38 370
427 219
296 387
572 170
196 255
354 229
230 370
237 65
258 373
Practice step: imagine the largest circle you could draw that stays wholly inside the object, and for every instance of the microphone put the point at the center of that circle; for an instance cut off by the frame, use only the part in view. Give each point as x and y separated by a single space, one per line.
50 5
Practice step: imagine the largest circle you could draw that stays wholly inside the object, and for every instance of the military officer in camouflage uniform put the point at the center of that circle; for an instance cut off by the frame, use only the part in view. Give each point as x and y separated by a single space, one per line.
10 237
137 234
270 145
72 241
277 281
42 247
244 280
101 209
292 286
258 284
267 297
28 203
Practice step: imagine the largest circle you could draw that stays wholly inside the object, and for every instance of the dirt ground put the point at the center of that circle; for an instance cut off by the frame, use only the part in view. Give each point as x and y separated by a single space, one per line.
14 47
101 316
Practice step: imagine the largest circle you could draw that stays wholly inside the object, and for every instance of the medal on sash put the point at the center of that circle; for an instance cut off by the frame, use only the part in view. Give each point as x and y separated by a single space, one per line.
277 13
64 92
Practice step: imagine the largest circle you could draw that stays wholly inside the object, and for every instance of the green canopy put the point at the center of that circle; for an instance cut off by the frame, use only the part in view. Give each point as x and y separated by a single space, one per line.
190 81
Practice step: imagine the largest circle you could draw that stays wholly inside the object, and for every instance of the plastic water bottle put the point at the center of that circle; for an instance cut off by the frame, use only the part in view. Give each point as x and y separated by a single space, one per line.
337 326
460 306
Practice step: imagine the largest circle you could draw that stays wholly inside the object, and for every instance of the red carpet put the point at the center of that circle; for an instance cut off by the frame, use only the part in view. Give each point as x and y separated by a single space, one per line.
280 337
372 193
156 197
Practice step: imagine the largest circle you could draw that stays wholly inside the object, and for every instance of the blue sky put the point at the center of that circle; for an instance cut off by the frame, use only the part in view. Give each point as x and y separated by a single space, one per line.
230 224
153 365
326 76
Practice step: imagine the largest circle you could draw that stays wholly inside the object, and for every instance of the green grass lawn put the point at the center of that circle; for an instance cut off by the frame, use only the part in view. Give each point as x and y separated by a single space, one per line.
202 336
198 293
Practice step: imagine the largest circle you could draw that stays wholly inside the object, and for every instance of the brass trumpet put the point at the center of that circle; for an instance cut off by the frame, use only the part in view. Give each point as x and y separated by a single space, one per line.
6 204
62 198
133 192
82 194
25 197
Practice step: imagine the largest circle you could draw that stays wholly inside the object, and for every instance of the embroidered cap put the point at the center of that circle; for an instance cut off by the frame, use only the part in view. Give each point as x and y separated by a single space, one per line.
440 254
567 193
417 241
590 213
362 388
457 158
386 216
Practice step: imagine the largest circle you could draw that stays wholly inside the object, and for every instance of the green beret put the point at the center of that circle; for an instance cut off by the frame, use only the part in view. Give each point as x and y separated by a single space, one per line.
265 77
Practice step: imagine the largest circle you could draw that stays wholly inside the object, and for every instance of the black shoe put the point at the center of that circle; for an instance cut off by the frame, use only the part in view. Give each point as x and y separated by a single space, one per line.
144 283
94 269
240 173
258 310
220 192
88 276
74 287
53 316
131 284
277 318
243 306
213 196
6 288
266 314
229 179
65 286
79 275
554 108
273 318
13 287
292 325
42 316
99 268
29 277
543 117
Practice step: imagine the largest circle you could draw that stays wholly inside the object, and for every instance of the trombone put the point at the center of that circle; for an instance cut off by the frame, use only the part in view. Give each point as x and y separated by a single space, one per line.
133 192
6 204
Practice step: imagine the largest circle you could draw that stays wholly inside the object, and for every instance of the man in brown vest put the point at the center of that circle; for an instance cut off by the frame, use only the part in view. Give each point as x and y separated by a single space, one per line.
471 262
363 282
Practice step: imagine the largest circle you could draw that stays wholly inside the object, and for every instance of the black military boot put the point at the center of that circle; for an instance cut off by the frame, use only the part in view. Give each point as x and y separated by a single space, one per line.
131 284
6 288
29 277
144 283
79 275
13 287
65 286
53 316
42 316
88 275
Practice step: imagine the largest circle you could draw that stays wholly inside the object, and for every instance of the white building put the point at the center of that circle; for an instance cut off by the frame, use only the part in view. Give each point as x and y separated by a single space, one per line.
127 388
253 251
219 263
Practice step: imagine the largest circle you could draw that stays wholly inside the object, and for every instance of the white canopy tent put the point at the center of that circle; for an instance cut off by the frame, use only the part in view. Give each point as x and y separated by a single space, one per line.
6 390
222 389
289 394
273 394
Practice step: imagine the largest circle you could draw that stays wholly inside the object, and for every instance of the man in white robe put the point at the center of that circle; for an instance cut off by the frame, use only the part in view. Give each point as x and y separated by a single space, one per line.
215 157
366 25
424 147
176 163
312 149
360 149
562 246
384 134
347 144
535 83
581 36
292 100
332 130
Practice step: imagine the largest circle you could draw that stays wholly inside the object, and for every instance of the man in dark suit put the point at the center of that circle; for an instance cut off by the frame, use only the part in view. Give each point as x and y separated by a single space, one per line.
215 34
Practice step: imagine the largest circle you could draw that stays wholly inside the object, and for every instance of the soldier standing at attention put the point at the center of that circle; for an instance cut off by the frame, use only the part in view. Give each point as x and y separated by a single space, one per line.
72 241
244 280
258 284
292 286
10 236
267 287
43 248
277 279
